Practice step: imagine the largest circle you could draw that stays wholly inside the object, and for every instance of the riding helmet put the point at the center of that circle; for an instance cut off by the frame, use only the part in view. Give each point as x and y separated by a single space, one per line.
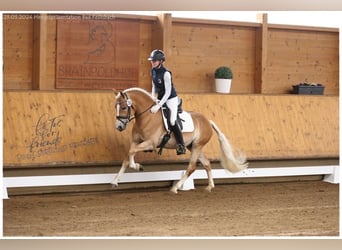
157 55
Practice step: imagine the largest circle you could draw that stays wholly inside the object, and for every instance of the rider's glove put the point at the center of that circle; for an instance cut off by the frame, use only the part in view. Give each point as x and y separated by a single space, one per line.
155 108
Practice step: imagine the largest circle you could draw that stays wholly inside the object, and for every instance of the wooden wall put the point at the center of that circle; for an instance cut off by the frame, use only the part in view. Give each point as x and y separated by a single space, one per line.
17 52
260 117
198 49
21 57
265 58
298 56
76 128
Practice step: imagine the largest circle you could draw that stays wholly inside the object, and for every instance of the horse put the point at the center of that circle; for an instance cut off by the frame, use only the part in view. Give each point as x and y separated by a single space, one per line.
148 131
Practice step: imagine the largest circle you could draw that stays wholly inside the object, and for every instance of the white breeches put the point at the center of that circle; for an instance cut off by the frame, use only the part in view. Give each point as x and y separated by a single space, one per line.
173 106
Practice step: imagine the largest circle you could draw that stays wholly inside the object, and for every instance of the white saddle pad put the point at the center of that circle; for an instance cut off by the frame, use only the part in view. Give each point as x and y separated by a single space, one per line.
187 122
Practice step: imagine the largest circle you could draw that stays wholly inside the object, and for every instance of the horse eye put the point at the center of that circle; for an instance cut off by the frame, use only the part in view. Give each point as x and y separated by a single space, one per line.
124 108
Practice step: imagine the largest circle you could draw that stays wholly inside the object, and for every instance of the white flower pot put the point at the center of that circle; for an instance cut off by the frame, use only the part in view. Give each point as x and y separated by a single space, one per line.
223 85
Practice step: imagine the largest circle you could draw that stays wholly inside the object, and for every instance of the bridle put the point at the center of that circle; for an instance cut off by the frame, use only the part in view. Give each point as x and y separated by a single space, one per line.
126 119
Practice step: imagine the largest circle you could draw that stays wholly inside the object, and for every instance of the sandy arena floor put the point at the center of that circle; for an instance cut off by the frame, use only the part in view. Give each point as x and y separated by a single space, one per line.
308 208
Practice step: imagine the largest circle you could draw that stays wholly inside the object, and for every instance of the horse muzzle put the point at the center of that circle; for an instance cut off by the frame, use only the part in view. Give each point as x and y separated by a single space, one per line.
120 125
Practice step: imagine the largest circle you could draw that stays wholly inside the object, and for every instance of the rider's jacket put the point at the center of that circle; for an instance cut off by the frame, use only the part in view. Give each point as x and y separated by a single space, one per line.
159 84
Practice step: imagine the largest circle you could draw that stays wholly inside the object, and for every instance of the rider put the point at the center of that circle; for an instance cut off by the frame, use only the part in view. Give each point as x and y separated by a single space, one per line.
162 85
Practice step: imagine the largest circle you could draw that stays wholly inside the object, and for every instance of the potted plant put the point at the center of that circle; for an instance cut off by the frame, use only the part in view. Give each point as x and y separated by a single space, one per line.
223 79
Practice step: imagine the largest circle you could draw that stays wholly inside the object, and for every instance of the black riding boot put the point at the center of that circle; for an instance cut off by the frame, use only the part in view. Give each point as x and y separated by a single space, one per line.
179 138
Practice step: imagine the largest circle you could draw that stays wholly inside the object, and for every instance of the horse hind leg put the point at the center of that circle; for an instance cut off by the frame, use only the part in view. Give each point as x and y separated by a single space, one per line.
206 164
188 172
191 168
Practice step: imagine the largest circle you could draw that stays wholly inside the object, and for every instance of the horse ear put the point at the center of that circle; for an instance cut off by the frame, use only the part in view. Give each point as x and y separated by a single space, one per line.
115 92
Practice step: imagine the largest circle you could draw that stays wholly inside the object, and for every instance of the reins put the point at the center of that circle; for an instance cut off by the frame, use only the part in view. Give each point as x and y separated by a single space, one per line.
135 116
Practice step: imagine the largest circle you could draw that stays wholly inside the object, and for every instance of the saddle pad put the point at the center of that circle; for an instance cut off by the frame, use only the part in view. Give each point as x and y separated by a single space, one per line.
187 122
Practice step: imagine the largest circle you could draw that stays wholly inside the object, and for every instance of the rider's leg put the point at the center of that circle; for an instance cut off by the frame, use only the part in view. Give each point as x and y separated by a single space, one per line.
179 138
173 106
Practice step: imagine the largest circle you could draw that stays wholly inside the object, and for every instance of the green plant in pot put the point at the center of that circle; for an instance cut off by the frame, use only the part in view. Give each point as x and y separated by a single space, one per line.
223 79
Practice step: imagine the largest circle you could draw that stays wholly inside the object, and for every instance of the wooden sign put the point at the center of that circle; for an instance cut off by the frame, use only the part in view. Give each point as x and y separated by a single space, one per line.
97 53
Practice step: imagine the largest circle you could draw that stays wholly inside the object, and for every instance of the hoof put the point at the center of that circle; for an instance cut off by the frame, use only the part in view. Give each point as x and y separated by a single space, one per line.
114 185
137 167
174 190
141 169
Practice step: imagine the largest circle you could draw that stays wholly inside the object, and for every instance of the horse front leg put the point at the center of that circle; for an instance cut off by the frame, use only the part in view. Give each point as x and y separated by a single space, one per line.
125 164
146 145
135 148
115 181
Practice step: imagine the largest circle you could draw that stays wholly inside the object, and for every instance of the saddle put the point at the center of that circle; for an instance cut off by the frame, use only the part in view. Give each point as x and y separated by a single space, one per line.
184 121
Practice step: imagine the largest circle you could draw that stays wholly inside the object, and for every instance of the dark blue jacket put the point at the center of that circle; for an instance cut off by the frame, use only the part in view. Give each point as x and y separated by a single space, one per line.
158 81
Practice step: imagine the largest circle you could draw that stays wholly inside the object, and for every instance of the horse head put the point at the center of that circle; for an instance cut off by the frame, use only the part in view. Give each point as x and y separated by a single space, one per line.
123 105
131 104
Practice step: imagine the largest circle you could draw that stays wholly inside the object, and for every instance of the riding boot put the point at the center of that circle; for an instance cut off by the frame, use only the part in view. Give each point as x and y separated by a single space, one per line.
179 138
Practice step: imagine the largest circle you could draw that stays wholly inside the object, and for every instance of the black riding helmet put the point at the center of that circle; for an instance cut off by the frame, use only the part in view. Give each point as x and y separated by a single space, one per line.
157 55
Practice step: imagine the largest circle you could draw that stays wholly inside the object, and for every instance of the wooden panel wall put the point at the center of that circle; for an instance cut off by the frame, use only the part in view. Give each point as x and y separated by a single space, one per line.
17 52
51 52
58 128
280 127
19 43
302 56
198 49
195 48
146 30
71 128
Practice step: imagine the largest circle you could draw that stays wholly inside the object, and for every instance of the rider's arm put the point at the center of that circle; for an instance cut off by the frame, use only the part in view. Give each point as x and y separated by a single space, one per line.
167 84
153 92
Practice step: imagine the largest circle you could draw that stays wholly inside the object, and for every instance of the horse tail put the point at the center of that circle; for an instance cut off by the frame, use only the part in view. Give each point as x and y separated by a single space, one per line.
230 160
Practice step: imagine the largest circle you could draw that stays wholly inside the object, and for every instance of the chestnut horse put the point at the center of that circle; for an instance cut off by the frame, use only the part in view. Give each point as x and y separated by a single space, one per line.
148 131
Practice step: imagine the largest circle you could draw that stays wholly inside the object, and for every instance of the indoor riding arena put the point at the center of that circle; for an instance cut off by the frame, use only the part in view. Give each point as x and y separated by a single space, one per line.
61 149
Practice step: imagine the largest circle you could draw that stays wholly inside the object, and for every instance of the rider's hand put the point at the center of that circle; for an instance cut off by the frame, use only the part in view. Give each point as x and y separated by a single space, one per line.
155 108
